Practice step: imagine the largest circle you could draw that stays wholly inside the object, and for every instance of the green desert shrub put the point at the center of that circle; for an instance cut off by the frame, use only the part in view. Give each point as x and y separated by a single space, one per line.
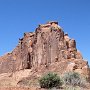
50 80
74 79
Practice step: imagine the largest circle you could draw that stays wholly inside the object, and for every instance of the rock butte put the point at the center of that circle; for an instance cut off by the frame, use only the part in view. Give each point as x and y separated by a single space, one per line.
47 47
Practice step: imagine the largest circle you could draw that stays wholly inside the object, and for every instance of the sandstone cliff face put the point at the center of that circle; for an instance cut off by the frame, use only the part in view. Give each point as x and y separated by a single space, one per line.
46 46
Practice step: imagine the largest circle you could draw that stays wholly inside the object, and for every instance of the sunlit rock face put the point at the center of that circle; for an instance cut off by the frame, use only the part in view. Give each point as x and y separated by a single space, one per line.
46 46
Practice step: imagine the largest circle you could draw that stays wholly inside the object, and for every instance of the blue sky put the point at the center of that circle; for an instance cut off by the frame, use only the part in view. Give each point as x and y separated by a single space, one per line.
19 16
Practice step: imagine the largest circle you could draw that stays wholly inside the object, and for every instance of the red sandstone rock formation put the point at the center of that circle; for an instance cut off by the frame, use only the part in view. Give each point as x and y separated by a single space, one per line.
46 46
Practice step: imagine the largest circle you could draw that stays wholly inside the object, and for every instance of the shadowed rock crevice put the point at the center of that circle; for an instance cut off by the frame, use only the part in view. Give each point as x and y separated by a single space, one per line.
29 65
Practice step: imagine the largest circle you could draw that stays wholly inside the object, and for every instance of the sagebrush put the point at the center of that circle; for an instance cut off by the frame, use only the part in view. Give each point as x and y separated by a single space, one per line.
50 80
74 79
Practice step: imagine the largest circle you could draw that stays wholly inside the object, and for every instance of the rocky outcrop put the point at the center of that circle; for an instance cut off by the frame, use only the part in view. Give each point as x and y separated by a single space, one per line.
44 47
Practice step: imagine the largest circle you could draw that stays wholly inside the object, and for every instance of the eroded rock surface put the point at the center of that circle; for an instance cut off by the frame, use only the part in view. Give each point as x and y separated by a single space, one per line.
47 46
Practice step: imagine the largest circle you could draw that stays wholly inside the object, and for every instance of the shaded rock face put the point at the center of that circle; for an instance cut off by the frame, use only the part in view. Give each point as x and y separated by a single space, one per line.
47 45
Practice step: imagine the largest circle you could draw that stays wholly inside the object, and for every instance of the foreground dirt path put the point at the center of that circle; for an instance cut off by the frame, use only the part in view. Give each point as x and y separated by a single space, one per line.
20 88
33 88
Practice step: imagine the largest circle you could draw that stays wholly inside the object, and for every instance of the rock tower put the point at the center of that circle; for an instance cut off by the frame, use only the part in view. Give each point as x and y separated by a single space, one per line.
48 46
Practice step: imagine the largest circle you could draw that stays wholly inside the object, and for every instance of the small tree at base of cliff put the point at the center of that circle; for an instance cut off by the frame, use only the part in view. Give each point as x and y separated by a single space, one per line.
50 80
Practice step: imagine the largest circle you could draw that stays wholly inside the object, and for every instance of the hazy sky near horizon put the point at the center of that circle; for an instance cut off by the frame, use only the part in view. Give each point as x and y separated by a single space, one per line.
19 16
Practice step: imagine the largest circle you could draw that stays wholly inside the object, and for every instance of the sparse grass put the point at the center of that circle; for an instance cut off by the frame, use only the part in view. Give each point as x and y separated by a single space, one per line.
72 88
28 82
73 79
